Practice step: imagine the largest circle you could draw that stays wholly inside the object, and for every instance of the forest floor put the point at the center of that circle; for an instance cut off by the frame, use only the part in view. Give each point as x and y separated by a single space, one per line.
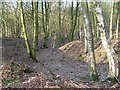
63 67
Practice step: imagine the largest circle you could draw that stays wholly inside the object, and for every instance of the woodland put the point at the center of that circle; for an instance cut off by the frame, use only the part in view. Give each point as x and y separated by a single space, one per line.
60 44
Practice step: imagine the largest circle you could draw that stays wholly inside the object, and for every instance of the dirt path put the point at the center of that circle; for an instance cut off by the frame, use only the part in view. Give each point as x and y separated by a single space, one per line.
59 64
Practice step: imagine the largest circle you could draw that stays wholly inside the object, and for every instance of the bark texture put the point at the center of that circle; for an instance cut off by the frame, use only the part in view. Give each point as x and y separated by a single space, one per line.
112 56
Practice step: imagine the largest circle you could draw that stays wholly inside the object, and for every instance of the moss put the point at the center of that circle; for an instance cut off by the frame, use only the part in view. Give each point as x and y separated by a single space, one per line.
94 77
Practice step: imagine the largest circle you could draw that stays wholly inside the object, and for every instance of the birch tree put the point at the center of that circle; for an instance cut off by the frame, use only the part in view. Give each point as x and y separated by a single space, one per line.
112 56
111 19
85 41
90 46
118 19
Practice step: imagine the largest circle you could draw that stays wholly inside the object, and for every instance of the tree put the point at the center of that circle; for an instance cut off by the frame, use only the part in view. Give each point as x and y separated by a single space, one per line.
117 27
35 40
111 19
45 21
60 22
24 30
90 46
75 22
85 37
112 56
72 19
17 21
96 32
43 25
118 19
46 16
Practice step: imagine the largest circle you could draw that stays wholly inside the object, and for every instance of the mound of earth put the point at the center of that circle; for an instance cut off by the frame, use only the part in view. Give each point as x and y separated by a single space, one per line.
76 49
73 49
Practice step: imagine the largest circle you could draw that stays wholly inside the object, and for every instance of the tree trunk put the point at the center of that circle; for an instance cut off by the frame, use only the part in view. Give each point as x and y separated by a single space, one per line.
112 56
95 26
35 39
72 17
46 22
43 25
33 9
17 21
85 34
111 20
75 22
59 33
90 46
24 30
117 27
118 20
46 16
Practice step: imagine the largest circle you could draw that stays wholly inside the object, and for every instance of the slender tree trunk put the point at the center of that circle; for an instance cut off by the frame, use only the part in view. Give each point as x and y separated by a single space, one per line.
24 30
75 22
117 27
33 9
111 20
112 56
79 30
46 16
85 32
17 21
72 18
118 20
43 25
63 21
35 39
90 46
60 23
46 22
95 26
